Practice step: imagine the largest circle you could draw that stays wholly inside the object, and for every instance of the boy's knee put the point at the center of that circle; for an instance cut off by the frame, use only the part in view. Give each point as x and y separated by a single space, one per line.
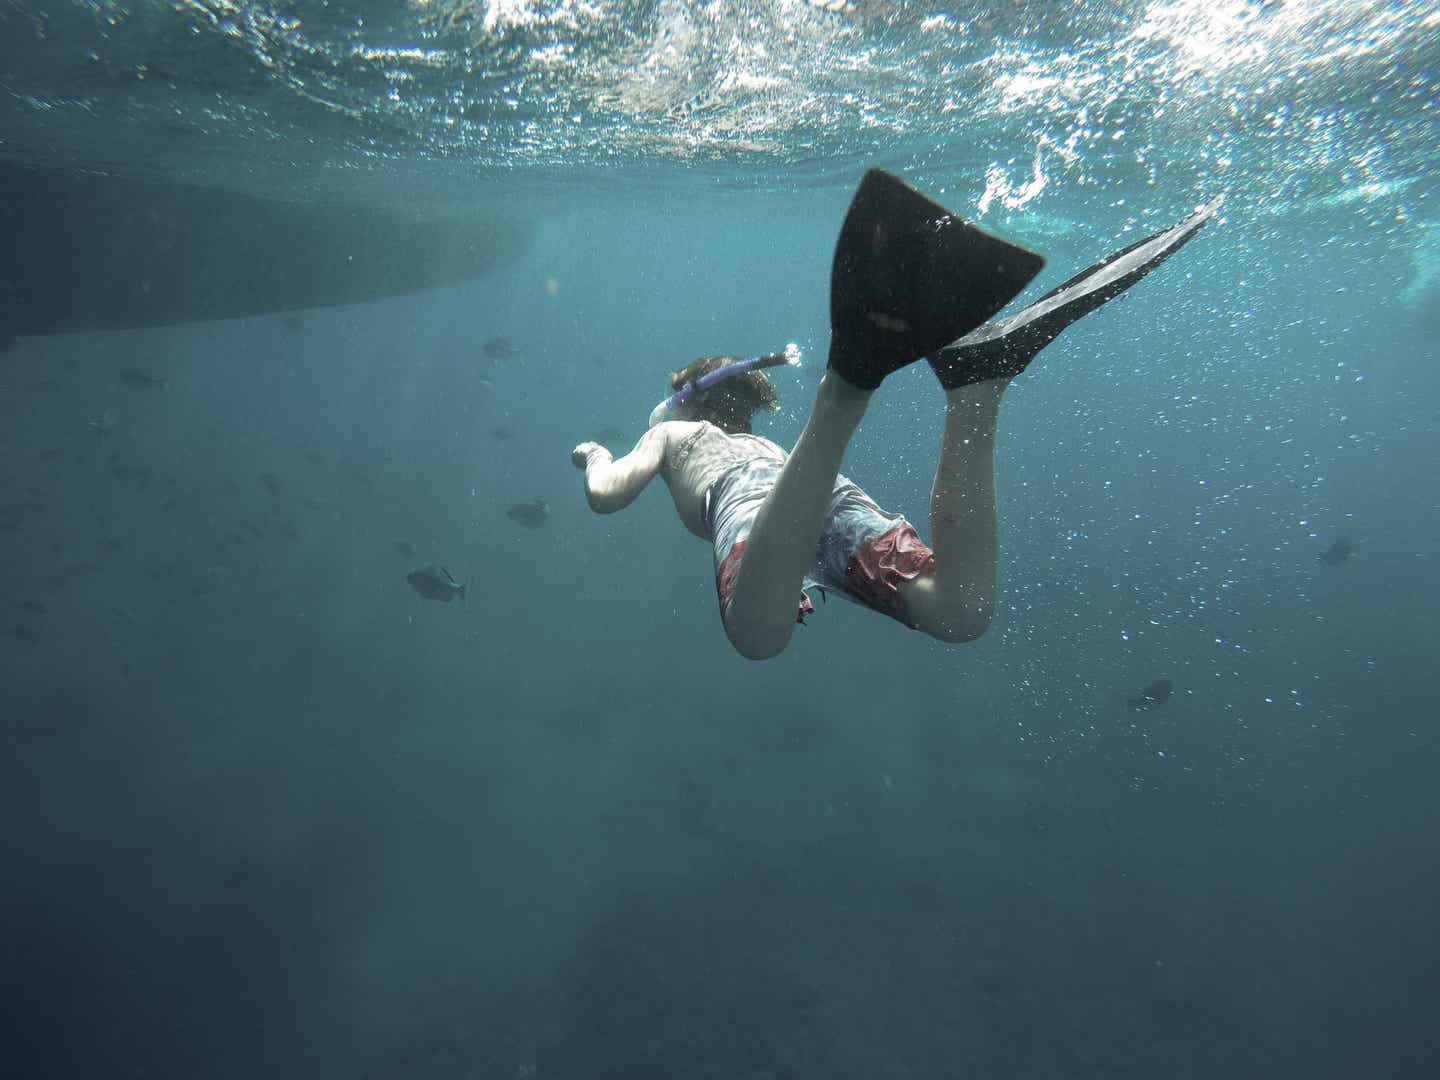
959 626
757 641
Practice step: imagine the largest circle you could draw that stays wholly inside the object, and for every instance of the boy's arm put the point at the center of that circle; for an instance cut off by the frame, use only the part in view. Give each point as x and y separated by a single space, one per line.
612 485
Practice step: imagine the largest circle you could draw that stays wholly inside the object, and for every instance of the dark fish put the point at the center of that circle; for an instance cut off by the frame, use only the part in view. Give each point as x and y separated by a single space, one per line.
435 583
55 453
691 808
532 514
112 546
43 386
34 607
499 348
271 482
314 457
23 633
172 502
1336 553
503 432
293 322
1153 696
405 548
136 478
141 380
606 436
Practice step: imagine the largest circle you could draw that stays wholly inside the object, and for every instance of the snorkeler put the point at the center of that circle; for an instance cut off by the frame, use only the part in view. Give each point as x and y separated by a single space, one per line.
909 281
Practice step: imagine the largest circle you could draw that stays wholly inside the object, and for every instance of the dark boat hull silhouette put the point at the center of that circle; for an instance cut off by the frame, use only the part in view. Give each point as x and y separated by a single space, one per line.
87 251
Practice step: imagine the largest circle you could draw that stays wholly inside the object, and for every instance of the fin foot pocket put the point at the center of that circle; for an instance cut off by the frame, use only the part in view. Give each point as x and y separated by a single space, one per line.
909 276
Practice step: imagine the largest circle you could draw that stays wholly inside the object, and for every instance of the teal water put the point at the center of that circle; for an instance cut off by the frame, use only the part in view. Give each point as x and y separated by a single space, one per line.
268 812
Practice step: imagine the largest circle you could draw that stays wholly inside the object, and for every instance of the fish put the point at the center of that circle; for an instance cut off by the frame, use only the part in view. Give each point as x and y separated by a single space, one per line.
23 633
608 435
271 482
42 386
499 348
314 457
405 548
1153 696
293 323
33 607
532 514
503 432
1336 553
135 478
142 380
55 453
435 583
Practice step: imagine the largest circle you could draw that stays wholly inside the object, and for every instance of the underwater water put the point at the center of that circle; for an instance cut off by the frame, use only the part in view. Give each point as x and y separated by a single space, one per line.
268 811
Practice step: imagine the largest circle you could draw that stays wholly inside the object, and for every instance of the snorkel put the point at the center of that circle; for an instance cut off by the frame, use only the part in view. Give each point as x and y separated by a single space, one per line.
669 409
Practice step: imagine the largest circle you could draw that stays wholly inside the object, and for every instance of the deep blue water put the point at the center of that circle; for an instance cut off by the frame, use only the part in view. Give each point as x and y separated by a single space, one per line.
268 812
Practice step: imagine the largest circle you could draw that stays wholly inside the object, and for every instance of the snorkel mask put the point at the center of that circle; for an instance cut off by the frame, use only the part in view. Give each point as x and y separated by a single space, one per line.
672 408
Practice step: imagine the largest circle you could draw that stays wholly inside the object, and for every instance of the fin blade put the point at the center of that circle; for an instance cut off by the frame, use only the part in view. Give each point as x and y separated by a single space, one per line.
909 276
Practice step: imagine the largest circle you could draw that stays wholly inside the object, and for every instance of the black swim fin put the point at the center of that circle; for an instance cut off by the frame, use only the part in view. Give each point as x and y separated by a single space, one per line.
1003 349
910 276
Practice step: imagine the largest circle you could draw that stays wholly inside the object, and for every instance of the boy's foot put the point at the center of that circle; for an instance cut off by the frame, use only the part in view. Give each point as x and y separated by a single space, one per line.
1002 349
901 262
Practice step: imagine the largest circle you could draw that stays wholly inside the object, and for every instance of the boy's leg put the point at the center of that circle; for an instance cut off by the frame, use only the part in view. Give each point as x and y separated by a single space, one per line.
781 546
955 603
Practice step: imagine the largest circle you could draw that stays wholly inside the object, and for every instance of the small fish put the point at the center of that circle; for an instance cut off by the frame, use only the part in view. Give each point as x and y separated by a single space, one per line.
314 457
136 478
503 432
606 436
55 453
1336 553
271 482
499 348
113 546
42 386
532 514
293 323
23 633
142 380
405 548
1153 696
172 502
435 583
32 607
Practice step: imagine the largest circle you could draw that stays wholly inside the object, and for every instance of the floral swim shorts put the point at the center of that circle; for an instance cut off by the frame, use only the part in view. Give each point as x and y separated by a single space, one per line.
862 554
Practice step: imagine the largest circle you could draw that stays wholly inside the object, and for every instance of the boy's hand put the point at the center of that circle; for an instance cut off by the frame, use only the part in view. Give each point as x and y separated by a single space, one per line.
580 456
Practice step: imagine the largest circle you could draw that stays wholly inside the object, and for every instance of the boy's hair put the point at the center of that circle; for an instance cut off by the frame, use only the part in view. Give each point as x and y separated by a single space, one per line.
730 404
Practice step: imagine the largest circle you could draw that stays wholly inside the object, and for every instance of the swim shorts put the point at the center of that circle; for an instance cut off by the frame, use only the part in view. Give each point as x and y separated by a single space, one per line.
862 554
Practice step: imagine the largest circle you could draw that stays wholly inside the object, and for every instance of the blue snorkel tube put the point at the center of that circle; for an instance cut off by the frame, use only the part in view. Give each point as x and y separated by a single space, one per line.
790 355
